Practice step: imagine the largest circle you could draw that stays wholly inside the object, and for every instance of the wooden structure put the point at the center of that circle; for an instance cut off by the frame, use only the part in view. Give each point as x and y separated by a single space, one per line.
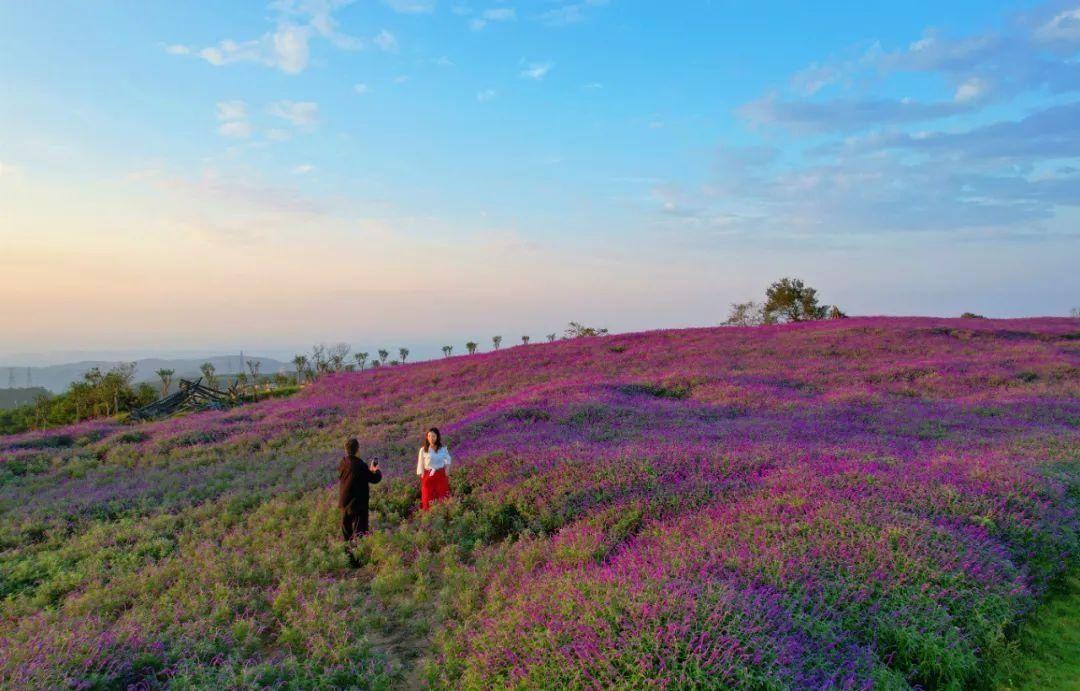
190 395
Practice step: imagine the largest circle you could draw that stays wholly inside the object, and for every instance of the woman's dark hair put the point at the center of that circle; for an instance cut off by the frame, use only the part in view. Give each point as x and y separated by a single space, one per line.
438 440
352 447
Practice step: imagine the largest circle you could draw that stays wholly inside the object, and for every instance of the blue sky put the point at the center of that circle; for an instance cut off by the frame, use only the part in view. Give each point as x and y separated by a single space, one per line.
426 171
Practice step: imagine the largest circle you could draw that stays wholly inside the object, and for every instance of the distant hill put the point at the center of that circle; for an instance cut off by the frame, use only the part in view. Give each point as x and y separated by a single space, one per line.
56 378
11 398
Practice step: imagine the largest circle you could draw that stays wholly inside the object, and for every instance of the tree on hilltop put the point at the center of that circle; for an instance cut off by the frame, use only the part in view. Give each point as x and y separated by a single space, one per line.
383 355
576 330
471 347
361 360
551 338
745 314
447 350
336 356
404 353
496 341
524 340
300 362
789 299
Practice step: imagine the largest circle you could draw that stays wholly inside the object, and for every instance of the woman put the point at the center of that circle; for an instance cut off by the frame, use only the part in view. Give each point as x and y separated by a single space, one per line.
431 466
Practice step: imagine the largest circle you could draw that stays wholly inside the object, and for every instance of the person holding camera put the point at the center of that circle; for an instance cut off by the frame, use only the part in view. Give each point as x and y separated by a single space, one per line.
354 476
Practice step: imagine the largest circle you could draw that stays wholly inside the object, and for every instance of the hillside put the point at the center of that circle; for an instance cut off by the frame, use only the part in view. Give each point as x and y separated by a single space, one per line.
855 503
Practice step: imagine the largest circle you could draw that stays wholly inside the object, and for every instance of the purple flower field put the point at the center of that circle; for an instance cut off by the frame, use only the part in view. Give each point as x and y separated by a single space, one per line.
859 503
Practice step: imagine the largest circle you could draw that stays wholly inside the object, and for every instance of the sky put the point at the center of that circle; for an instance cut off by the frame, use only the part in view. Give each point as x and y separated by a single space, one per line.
263 176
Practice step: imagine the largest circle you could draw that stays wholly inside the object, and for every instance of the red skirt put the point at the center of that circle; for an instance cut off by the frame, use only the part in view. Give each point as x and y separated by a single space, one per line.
433 486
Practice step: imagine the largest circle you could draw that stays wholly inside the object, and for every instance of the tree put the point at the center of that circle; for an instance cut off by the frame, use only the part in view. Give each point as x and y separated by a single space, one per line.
447 350
745 314
383 354
836 313
300 362
789 299
404 353
971 315
576 330
524 340
361 360
319 361
496 341
551 338
166 379
336 356
471 347
208 369
253 367
1075 313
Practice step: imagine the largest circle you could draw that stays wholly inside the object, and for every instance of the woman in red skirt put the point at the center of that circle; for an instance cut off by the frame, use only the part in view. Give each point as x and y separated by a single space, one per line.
431 466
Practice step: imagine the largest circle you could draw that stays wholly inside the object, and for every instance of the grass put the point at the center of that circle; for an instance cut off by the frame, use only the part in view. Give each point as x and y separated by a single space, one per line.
1046 654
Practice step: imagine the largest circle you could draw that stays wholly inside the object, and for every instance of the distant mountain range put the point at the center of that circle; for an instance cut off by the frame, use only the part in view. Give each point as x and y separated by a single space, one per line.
56 378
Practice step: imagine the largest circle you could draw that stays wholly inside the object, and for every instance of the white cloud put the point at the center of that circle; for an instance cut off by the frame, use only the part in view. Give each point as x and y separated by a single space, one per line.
238 129
1062 27
233 118
286 47
231 110
971 90
572 13
495 14
303 114
361 88
386 41
411 6
486 95
536 70
303 169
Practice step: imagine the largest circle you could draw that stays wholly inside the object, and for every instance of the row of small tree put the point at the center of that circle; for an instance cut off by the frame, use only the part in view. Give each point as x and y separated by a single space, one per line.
786 300
327 359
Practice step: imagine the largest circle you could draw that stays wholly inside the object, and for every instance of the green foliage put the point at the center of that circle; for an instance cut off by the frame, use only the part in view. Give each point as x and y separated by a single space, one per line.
576 330
789 299
745 314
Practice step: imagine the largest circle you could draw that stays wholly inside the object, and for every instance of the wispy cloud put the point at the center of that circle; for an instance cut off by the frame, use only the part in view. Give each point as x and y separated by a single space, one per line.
361 88
882 161
411 6
386 41
233 116
536 70
303 114
286 47
303 169
486 94
570 13
495 14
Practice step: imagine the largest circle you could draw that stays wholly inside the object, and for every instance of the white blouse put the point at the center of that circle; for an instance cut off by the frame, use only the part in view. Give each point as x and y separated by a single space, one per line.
432 460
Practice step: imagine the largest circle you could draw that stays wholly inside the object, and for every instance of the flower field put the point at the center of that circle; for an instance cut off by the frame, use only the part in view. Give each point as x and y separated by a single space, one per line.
859 503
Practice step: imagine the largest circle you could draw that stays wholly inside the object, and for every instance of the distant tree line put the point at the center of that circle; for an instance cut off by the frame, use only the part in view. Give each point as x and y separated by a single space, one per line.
325 359
97 394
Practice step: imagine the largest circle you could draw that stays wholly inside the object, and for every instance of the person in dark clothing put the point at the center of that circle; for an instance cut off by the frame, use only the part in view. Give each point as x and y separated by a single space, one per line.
355 475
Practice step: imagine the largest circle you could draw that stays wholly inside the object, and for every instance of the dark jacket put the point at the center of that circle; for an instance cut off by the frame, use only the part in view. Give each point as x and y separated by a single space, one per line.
355 477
